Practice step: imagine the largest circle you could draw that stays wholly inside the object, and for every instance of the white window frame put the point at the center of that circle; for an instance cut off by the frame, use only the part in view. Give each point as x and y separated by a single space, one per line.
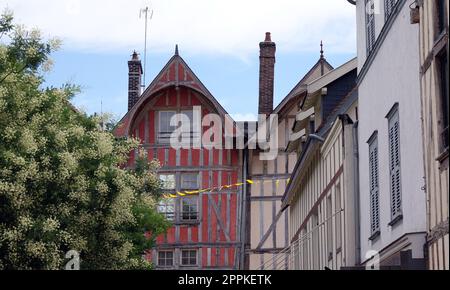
183 182
166 207
163 177
191 215
165 133
165 258
189 264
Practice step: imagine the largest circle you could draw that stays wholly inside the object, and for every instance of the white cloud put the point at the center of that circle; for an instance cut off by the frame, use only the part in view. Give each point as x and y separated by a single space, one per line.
244 117
233 27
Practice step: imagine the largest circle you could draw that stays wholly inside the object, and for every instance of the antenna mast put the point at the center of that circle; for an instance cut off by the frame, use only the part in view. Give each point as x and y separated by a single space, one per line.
145 11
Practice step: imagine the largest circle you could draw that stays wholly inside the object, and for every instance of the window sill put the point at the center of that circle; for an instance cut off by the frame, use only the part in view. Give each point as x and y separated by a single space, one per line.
188 266
375 236
190 223
164 268
396 220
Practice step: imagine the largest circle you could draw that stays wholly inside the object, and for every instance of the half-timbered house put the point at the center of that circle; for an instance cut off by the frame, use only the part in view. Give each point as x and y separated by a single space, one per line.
322 192
267 224
206 226
237 227
434 77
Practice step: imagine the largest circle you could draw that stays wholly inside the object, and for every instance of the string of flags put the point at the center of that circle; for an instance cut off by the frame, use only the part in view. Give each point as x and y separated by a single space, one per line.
220 188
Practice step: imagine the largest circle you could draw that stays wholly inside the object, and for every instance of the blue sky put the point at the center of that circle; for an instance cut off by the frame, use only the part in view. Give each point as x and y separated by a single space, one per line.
233 82
218 39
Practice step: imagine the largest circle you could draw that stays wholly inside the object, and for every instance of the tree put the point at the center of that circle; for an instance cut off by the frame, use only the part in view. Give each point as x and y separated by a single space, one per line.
61 186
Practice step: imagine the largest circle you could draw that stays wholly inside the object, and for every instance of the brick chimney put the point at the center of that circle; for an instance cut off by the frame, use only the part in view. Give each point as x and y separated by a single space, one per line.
134 80
266 75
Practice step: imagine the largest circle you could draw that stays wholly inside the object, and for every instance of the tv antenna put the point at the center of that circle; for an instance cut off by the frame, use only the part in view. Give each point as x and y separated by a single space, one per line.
148 14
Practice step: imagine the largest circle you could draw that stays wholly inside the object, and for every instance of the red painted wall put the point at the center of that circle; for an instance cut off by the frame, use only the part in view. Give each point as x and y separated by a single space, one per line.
206 234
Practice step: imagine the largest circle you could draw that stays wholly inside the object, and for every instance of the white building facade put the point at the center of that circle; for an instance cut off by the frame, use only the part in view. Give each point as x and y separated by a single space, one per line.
392 197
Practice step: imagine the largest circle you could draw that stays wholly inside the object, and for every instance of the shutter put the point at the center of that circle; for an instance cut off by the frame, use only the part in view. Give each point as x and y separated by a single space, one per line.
370 26
374 186
389 7
394 161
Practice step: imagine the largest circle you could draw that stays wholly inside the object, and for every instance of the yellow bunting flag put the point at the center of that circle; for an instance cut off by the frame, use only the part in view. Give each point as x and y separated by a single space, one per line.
213 189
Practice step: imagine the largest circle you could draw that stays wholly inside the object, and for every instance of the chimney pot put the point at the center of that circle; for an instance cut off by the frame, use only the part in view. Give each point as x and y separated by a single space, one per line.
135 56
134 80
266 75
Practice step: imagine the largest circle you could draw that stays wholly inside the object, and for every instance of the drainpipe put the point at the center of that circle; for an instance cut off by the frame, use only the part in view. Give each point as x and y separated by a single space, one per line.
244 211
356 188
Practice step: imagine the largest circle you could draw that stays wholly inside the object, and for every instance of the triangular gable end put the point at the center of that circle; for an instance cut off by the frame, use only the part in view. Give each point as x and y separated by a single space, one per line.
176 73
314 73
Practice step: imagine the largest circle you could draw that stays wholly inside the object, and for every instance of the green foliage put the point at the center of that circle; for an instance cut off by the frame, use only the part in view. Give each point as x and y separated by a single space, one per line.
61 187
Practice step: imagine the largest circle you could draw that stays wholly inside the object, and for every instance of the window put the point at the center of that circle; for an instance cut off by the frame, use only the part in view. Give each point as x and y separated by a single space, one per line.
374 185
370 25
168 181
394 165
189 206
166 207
190 116
443 83
188 128
189 258
165 129
165 259
189 181
389 8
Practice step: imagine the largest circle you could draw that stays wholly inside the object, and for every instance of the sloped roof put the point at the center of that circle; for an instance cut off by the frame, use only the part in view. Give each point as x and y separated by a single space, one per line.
311 145
314 73
328 78
176 73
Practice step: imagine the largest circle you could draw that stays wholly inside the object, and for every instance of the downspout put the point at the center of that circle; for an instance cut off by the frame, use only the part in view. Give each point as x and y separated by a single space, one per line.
356 189
244 210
